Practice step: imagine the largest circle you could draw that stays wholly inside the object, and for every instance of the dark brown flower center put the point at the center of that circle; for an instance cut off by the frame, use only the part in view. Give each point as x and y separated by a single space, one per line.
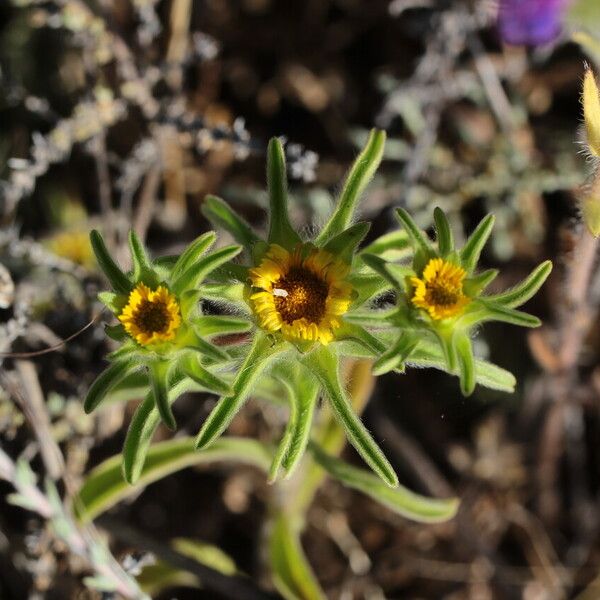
300 294
152 317
440 295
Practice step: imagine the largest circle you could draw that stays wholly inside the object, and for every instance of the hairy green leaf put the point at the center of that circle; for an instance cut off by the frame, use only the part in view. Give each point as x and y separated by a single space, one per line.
359 176
105 486
118 280
219 213
399 499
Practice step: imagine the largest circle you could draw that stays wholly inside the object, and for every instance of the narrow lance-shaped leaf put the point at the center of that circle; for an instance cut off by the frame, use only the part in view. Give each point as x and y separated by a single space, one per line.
419 239
392 246
196 272
307 394
525 290
203 377
496 312
143 425
430 355
324 364
207 349
445 239
474 285
361 335
220 214
256 361
118 280
159 381
107 380
142 266
280 230
208 325
104 487
360 175
286 438
396 355
382 268
399 500
343 246
471 251
466 363
193 252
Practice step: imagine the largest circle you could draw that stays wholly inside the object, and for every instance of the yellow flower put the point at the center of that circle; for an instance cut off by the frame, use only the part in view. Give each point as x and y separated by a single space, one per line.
151 316
439 291
74 246
302 292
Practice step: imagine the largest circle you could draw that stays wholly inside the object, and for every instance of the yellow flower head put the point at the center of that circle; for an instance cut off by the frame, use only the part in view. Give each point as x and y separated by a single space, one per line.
74 246
302 292
439 291
151 316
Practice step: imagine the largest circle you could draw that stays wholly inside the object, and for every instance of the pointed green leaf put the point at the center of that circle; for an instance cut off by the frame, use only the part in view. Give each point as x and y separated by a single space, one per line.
371 318
292 573
361 335
381 267
473 286
307 394
143 425
193 252
471 251
302 392
209 325
466 363
204 378
525 290
367 286
286 438
360 175
141 263
396 355
207 349
430 354
399 499
393 246
445 239
108 379
280 230
495 312
220 214
418 238
118 280
261 353
227 293
159 381
105 486
112 301
343 246
196 272
325 366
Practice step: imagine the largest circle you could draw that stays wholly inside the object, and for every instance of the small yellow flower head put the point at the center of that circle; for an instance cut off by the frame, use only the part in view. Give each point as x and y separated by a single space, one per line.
302 293
151 316
591 112
439 291
74 246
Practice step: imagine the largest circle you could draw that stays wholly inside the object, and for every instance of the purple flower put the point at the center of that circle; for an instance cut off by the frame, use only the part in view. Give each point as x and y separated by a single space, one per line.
530 22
